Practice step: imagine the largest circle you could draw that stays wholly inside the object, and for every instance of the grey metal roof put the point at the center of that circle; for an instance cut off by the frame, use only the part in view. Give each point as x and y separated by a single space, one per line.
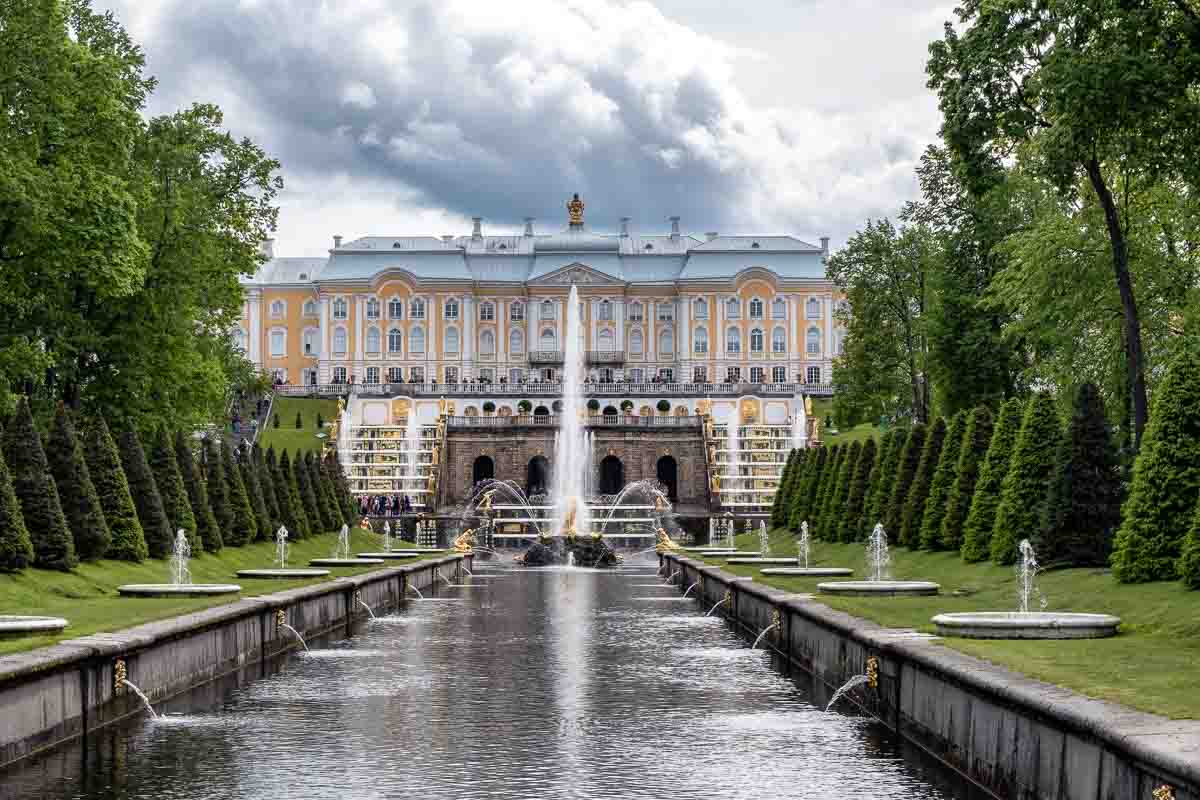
729 264
770 243
364 266
403 243
606 263
287 270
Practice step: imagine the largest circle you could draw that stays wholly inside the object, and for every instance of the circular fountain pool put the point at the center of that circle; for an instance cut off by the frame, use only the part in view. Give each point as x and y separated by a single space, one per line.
344 562
761 560
14 626
808 572
879 588
1026 625
282 574
394 555
177 589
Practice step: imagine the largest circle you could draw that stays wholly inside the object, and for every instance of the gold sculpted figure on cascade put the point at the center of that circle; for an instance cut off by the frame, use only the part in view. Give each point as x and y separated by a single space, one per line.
664 543
575 210
464 541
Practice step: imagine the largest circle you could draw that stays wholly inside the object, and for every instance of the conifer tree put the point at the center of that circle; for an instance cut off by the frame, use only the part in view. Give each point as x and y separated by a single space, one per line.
783 490
918 493
943 481
176 503
803 503
973 451
308 497
882 476
1189 559
218 492
127 541
981 518
53 546
342 486
16 549
831 521
295 513
287 510
146 498
258 503
906 470
850 525
1023 493
207 529
1166 478
1083 502
76 492
331 515
266 483
833 462
245 524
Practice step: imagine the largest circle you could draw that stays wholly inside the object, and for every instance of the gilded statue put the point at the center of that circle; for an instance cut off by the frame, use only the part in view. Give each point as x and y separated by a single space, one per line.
808 405
575 210
569 519
664 543
660 505
704 407
486 505
341 406
464 541
816 428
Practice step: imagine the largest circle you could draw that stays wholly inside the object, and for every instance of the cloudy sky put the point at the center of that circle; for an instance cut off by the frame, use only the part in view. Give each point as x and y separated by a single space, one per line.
406 116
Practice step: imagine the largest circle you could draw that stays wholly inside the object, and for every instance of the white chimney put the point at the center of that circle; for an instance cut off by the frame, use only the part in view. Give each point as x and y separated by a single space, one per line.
529 226
711 235
825 245
337 241
477 230
625 226
674 228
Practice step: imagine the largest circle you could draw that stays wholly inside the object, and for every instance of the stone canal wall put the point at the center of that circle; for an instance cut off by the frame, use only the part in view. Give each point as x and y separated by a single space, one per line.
1014 736
54 694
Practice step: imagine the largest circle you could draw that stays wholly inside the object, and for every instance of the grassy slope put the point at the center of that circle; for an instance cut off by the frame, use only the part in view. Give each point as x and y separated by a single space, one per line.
1150 665
823 407
287 436
87 597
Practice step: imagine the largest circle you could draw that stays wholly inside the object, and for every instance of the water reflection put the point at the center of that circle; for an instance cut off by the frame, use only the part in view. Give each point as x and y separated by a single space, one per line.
547 684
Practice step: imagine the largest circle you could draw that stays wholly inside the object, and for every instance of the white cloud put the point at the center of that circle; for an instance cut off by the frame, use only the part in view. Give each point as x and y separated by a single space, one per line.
358 94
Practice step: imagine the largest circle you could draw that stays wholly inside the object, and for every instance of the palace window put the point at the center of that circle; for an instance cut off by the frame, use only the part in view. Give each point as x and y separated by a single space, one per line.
416 374
779 341
339 374
733 308
757 375
487 312
605 310
373 341
700 340
451 374
548 340
278 309
450 309
733 341
779 308
516 341
395 375
486 374
813 375
635 375
312 342
278 342
372 308
604 341
667 375
699 374
341 309
516 311
700 308
309 376
450 345
547 310
310 308
395 340
813 345
487 343
339 342
756 340
635 342
812 309
756 309
733 374
778 374
416 341
666 312
666 343
416 308
516 375
372 375
636 313
396 308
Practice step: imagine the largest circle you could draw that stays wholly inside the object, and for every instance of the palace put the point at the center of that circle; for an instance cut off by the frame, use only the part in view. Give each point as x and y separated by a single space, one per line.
668 321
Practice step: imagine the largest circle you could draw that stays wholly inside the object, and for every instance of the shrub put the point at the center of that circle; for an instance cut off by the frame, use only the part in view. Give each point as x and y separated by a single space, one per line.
263 531
1083 503
1023 493
918 493
823 499
308 497
266 484
981 518
832 518
974 448
53 546
804 498
245 525
943 480
1166 478
299 421
288 501
782 491
663 406
627 406
146 498
176 504
207 529
331 518
882 476
218 491
297 513
321 421
76 492
341 488
906 470
850 526
1189 560
524 406
275 420
127 541
16 549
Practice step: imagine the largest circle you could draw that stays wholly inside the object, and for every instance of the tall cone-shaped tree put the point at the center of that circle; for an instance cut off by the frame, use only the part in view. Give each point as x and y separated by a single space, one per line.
1189 559
258 503
80 503
176 503
146 498
823 490
218 491
943 480
1166 478
981 518
207 529
781 493
1023 493
850 526
331 517
266 483
16 550
882 476
803 502
307 496
286 483
906 470
1083 503
970 460
245 525
831 521
348 504
53 546
128 542
918 493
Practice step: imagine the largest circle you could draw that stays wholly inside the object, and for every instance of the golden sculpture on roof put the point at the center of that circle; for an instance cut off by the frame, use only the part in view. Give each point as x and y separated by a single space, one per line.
575 210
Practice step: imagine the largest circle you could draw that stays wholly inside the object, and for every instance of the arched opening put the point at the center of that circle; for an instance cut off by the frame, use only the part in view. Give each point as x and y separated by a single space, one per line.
471 411
610 411
667 472
541 411
483 469
537 476
612 475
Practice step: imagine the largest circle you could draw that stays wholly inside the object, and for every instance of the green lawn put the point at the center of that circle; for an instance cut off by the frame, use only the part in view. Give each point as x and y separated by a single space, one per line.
1150 665
823 407
287 436
88 598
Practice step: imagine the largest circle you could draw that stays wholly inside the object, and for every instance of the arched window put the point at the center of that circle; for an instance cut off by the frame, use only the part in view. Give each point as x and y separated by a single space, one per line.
700 308
733 308
312 342
451 343
487 343
239 339
636 312
779 341
604 341
277 309
779 308
451 308
756 309
756 340
516 311
310 308
547 310
666 342
733 341
395 340
340 308
635 342
605 310
396 308
548 340
372 308
812 309
487 312
516 341
814 341
700 340
416 341
339 341
373 340
416 308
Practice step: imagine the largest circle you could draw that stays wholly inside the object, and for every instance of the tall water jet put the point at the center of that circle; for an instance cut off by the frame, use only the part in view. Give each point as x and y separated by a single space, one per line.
412 449
181 578
878 584
180 574
802 546
731 463
281 547
764 541
1027 570
800 426
878 557
572 462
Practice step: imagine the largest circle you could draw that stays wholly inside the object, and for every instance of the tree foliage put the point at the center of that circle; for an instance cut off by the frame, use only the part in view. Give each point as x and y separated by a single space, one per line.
783 491
208 531
886 466
824 500
176 503
245 524
918 493
160 539
976 535
33 484
851 523
16 549
76 492
308 495
1023 493
128 542
263 531
295 516
218 491
906 470
961 494
804 500
943 481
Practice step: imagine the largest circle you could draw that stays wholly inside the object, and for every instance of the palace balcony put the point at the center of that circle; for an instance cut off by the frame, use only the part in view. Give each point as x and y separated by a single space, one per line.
605 357
546 389
546 357
553 420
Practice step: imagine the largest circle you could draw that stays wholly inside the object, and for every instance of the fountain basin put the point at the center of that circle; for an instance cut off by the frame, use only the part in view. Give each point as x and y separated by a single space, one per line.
15 626
879 588
1026 625
282 574
762 560
344 562
808 572
177 589
390 554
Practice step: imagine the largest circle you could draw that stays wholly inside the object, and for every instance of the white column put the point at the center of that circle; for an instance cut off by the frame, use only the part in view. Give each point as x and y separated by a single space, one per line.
433 311
683 336
254 300
719 339
827 349
651 337
595 313
619 321
532 312
468 337
360 311
323 336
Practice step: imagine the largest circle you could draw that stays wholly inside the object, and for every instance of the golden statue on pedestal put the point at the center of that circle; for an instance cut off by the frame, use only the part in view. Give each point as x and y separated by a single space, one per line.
664 543
704 407
464 541
575 210
660 505
569 519
486 505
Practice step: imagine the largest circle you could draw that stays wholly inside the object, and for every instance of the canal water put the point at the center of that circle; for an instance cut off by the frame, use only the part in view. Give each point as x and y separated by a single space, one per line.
558 683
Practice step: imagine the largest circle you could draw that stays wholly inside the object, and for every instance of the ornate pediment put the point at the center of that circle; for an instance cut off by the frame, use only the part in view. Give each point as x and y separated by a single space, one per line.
577 273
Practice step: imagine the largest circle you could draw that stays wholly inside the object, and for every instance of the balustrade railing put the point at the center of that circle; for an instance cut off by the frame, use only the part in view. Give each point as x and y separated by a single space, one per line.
552 420
547 389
